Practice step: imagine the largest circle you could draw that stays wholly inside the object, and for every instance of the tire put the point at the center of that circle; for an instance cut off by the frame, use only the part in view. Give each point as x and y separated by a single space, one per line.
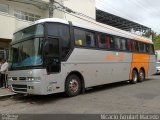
72 85
134 77
141 76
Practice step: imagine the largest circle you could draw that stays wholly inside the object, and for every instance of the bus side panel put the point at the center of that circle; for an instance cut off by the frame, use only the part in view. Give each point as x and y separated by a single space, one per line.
138 61
98 66
152 65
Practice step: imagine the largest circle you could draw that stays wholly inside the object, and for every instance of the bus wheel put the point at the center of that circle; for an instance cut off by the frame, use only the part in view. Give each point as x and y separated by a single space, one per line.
141 75
72 86
134 77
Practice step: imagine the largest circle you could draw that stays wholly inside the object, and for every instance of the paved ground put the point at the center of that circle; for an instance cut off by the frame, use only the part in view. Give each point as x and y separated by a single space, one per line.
5 92
112 98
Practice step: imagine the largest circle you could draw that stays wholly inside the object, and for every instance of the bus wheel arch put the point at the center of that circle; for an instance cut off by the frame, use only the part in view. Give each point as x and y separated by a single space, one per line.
142 74
134 76
80 80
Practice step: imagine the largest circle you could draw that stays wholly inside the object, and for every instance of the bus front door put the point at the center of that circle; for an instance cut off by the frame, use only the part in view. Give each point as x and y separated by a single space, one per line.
52 55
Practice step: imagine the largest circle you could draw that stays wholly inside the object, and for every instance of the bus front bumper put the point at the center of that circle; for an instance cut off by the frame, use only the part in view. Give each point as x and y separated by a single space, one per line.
26 87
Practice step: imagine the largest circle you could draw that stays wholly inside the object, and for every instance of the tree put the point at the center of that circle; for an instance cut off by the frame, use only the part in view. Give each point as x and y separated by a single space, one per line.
156 40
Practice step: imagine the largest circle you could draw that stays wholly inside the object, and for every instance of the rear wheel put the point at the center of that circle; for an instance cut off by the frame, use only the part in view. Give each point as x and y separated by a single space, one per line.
141 75
134 77
73 85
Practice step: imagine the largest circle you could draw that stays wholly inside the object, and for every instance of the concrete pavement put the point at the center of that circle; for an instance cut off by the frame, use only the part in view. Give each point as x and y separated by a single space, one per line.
5 92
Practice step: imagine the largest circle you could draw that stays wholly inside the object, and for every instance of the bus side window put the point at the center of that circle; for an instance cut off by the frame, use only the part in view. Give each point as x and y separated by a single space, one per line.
64 33
117 43
142 47
135 46
53 29
79 37
147 48
151 49
90 40
123 44
112 43
108 42
101 41
129 45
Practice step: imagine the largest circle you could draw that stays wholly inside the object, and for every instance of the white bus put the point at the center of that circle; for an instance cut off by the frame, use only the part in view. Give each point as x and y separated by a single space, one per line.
55 55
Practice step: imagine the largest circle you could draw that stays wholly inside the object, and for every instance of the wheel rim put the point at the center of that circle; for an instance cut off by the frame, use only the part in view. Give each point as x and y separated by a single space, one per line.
135 77
73 85
141 75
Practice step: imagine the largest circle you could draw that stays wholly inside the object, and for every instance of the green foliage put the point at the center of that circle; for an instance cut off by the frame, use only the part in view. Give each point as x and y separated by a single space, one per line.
156 40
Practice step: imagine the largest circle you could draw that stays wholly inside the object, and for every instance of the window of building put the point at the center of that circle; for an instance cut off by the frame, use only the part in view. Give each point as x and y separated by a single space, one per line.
26 16
2 54
79 37
4 8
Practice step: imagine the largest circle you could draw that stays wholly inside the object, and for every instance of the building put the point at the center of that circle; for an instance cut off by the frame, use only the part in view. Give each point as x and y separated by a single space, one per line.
81 8
15 14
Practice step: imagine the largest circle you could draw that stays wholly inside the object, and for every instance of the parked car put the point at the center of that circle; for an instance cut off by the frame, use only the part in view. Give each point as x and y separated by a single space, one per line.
158 68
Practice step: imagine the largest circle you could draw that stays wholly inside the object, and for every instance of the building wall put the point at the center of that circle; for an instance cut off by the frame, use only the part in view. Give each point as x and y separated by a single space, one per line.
86 7
10 23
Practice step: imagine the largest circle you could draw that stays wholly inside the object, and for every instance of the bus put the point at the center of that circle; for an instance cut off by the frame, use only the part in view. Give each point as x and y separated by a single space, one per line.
55 55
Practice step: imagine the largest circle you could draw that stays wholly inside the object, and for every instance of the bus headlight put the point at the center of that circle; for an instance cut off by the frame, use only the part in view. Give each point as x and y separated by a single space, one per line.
33 78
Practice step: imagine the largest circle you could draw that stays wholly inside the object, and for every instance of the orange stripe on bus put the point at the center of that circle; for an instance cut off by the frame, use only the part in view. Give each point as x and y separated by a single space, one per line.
143 40
114 57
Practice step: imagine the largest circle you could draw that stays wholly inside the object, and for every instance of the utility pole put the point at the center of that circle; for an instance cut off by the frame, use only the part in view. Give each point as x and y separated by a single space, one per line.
51 10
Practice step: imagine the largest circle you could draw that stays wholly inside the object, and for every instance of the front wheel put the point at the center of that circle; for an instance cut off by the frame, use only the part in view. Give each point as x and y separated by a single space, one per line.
72 85
134 77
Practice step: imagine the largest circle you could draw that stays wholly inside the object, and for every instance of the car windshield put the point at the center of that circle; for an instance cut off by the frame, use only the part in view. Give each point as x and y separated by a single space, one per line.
26 53
158 64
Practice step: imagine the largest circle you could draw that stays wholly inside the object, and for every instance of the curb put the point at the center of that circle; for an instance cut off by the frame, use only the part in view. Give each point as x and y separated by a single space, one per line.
7 95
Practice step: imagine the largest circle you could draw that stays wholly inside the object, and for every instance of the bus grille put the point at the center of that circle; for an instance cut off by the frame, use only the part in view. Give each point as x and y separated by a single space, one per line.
18 78
19 88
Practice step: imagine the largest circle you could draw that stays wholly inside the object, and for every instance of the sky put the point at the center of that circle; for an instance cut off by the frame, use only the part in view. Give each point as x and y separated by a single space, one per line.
145 12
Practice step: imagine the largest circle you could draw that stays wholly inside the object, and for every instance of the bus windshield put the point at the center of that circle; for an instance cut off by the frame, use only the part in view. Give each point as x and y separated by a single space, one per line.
26 50
35 30
27 53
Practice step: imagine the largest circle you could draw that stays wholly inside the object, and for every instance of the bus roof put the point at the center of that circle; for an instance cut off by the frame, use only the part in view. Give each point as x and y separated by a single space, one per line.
96 26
